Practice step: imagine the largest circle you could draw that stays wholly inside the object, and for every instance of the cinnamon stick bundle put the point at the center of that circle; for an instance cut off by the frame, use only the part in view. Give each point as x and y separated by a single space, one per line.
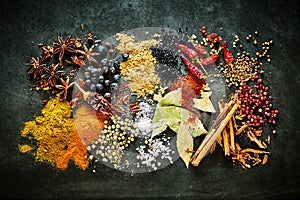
215 131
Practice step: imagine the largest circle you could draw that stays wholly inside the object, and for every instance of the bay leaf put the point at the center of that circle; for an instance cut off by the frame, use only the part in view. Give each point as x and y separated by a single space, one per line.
204 104
171 99
158 127
196 127
166 116
184 143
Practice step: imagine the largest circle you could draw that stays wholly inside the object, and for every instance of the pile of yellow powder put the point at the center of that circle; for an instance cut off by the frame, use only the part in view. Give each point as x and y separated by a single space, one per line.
139 69
52 131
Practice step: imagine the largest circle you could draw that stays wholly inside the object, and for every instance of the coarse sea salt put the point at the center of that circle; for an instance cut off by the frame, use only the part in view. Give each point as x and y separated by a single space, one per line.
143 119
150 156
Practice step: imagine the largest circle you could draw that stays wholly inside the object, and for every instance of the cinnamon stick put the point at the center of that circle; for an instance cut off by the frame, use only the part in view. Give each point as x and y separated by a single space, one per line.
253 138
214 132
241 129
231 131
226 143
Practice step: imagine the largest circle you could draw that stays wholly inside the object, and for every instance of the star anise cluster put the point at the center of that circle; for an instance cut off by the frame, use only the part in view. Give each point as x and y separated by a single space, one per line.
54 69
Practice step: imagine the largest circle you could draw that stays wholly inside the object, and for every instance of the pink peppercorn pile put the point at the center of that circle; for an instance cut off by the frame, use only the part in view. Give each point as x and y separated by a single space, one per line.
256 104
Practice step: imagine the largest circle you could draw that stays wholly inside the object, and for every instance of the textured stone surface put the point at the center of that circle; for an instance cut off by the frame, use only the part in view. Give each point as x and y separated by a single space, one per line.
215 178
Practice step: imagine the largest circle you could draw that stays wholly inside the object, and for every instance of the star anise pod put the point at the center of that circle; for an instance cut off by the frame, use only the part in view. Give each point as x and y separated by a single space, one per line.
75 61
37 67
66 85
88 54
52 74
47 52
63 46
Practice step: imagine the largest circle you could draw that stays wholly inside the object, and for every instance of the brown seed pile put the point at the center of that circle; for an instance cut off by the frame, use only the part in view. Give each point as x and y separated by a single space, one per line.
241 70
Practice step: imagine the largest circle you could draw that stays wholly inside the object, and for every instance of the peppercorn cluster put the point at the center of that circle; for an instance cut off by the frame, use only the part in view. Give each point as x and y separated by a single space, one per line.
103 76
256 105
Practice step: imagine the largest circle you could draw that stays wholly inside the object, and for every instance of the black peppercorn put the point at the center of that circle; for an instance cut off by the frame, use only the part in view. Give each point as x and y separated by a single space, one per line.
125 57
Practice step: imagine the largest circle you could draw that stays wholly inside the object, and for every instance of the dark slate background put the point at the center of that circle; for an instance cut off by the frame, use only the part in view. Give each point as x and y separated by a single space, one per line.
216 178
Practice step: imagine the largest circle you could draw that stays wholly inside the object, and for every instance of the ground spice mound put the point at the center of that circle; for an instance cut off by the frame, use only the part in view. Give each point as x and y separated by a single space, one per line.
139 72
88 123
139 69
76 151
191 87
142 80
52 130
137 58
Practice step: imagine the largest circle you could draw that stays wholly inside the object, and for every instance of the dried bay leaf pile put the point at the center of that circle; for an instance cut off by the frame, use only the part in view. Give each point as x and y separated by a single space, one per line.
186 124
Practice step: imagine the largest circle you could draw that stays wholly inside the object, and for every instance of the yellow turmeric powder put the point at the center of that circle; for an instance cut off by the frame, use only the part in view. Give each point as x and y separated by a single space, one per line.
52 130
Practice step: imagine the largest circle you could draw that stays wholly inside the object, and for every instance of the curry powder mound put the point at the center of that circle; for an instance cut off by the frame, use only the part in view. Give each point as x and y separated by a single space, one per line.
52 131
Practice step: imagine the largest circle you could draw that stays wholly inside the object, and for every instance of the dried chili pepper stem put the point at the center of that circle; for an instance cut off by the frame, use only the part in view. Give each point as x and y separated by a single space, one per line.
199 63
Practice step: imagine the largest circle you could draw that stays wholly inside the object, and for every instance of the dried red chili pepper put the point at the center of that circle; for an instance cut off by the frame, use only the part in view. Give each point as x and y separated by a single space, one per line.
203 31
227 55
191 67
210 60
214 38
96 101
78 97
224 45
78 94
192 54
217 39
201 49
